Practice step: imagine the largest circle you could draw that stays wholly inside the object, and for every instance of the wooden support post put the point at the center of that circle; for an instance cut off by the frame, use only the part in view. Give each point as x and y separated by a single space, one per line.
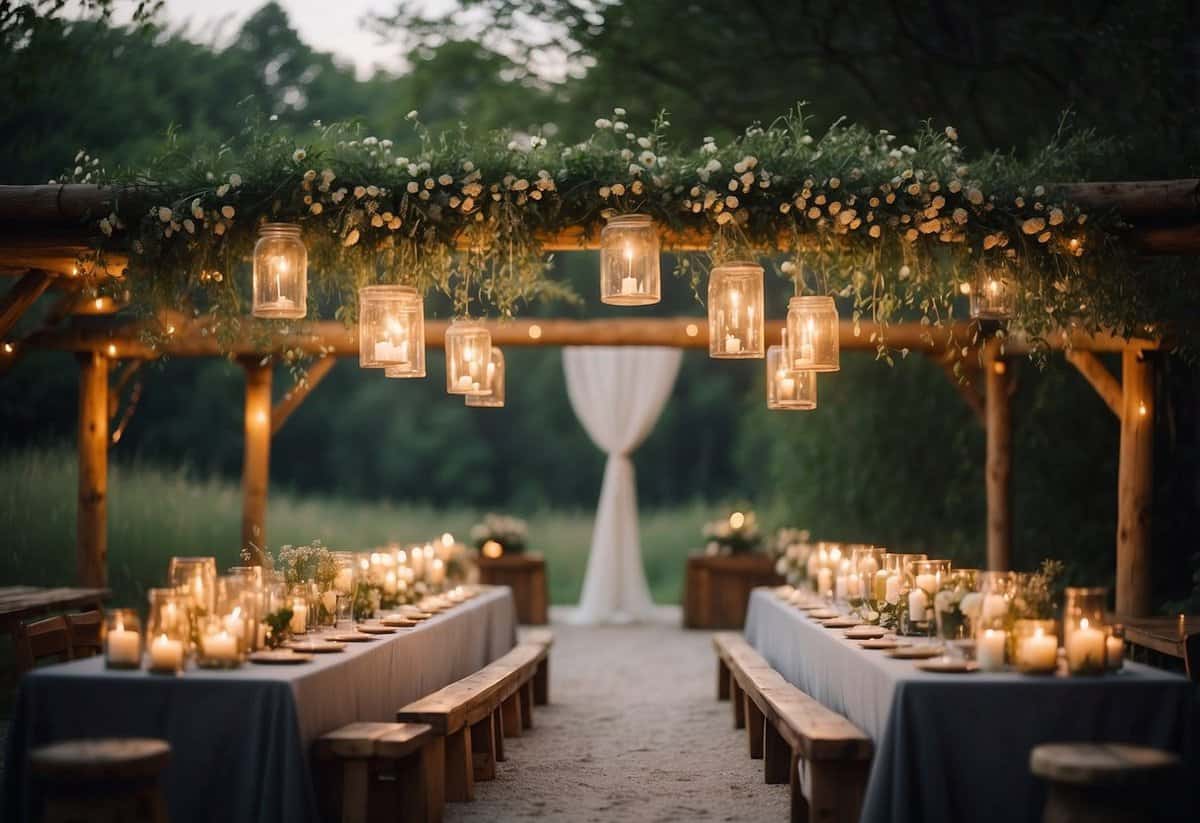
999 459
256 461
92 516
1135 483
754 726
23 294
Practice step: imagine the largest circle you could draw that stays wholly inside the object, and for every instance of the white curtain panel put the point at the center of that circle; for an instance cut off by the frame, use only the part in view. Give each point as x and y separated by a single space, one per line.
618 394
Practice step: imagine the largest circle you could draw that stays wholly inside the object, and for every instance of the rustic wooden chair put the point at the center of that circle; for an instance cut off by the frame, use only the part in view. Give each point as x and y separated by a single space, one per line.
1102 782
41 640
85 633
106 780
470 716
373 771
786 728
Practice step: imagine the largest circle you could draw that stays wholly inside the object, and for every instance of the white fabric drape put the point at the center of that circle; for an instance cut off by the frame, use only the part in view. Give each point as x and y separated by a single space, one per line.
618 394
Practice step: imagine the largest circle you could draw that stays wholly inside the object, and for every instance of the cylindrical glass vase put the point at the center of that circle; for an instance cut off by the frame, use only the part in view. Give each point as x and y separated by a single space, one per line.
788 389
167 631
494 382
1035 646
468 353
280 272
629 261
391 330
813 334
1084 632
735 311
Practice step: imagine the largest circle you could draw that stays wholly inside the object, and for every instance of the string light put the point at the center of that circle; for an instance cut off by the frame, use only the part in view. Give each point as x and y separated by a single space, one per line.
535 332
691 330
112 350
1141 409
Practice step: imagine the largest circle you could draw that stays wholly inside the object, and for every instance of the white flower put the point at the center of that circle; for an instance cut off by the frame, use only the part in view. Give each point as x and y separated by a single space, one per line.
787 267
537 141
298 155
338 195
644 142
619 112
310 176
709 148
189 225
164 214
372 191
222 190
445 180
468 166
316 208
385 144
960 216
106 227
635 169
806 139
412 115
603 123
952 132
647 158
413 187
626 154
712 166
1033 225
620 126
370 141
235 180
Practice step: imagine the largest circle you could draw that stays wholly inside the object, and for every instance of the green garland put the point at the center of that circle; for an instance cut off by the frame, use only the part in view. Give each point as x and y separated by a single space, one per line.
896 227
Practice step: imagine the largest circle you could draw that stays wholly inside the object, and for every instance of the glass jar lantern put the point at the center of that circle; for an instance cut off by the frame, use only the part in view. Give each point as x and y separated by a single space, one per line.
167 631
813 334
391 330
890 587
629 261
788 389
923 580
1084 632
468 352
993 293
248 580
735 311
280 272
865 564
122 639
1035 646
196 578
494 382
1114 648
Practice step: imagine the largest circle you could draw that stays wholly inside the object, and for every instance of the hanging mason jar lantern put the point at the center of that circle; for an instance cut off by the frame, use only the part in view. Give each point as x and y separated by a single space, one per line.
280 272
493 381
735 311
629 265
787 388
812 334
468 353
391 330
993 293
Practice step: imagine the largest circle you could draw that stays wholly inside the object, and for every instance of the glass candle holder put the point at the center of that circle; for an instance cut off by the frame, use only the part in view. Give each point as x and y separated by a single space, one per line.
735 311
1114 648
923 579
954 625
865 563
1035 646
629 261
197 578
813 334
391 330
842 576
493 382
829 556
894 587
468 353
786 388
1084 632
219 646
280 272
167 630
299 606
993 293
245 594
122 639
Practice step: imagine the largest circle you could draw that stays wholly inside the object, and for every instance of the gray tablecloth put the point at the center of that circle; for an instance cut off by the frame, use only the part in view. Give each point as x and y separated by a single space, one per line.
240 739
956 747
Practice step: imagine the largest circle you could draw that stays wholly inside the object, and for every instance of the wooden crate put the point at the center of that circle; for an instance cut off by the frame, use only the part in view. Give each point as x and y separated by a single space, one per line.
525 574
717 589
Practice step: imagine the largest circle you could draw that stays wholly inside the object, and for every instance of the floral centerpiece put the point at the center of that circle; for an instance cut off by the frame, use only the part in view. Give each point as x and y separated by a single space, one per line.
791 548
508 533
736 534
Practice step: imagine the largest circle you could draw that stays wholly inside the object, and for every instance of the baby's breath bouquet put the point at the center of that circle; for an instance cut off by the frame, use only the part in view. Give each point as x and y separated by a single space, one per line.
510 532
736 533
311 563
791 548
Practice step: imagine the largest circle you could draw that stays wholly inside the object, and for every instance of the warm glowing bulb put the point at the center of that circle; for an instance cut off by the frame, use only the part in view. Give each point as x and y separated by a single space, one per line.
964 288
260 417
99 302
535 332
1083 623
999 367
8 348
447 540
692 330
737 520
112 350
492 549
1142 409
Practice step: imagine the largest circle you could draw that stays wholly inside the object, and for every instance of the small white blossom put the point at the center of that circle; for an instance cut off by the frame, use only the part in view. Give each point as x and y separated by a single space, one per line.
222 190
235 180
412 115
647 158
603 123
952 133
619 112
164 214
298 155
620 126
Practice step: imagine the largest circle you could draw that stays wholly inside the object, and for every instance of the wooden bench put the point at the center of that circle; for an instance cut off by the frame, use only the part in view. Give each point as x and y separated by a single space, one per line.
473 714
367 771
822 755
541 677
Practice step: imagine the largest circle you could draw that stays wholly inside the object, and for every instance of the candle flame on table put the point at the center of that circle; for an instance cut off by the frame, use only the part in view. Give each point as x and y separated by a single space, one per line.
737 520
447 539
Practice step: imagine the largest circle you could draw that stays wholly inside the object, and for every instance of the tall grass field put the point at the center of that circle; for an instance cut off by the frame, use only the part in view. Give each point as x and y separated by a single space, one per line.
154 513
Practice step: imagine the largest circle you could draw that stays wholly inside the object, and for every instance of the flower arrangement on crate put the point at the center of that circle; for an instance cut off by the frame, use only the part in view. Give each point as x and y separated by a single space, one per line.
791 548
735 534
499 534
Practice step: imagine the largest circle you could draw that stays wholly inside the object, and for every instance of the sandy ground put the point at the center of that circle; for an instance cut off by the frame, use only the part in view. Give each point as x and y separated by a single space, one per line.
633 733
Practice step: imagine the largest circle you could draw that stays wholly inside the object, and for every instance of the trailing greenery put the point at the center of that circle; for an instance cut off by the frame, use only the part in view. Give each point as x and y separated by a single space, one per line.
899 227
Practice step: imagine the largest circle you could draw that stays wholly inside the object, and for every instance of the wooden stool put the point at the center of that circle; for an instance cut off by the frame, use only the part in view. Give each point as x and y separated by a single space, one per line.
372 771
102 780
1100 782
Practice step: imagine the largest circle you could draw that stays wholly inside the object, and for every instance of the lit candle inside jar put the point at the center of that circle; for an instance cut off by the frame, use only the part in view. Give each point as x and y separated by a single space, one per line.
124 646
881 585
166 655
918 605
806 347
299 621
989 650
1114 652
785 386
437 572
891 591
464 382
733 345
234 624
1085 648
220 646
1038 652
824 581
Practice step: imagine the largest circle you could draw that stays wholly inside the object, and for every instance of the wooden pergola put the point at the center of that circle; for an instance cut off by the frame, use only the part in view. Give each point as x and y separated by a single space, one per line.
43 239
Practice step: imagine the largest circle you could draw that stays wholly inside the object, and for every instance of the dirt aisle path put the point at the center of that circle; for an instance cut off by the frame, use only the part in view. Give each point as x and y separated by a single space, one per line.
633 733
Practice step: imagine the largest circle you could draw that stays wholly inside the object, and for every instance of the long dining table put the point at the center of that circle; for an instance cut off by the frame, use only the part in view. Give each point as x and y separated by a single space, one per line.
955 747
240 738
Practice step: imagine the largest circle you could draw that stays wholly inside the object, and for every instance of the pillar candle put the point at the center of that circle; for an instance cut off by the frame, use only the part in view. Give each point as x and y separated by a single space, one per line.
299 621
1114 652
881 585
220 646
1085 648
840 587
918 605
824 581
892 589
124 646
989 650
166 655
1038 652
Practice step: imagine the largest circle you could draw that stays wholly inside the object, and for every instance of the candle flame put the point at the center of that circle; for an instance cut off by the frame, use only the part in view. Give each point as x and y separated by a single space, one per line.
1083 623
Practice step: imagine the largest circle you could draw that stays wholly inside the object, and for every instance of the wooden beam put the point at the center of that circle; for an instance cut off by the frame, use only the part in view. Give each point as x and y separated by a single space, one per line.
327 338
1102 381
256 457
1135 483
999 459
1139 199
292 400
92 515
17 300
114 392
